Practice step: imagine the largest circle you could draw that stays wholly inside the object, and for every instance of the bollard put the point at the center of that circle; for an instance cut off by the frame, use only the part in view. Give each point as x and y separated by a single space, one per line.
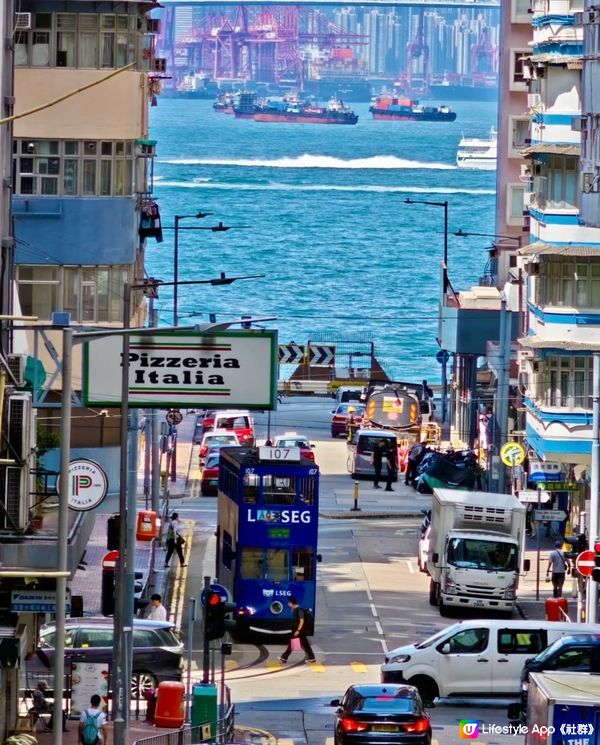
356 508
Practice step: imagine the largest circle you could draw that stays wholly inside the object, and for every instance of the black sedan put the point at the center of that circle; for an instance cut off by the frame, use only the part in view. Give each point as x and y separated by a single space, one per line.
381 715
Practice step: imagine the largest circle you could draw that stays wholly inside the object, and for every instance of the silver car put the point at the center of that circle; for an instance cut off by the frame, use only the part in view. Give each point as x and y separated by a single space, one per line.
360 451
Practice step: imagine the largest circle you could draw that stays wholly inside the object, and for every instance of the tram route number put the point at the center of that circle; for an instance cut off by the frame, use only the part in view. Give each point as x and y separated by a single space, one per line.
287 455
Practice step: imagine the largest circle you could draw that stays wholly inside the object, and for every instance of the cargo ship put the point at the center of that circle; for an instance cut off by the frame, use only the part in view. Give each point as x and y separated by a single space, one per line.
390 108
245 105
453 87
295 111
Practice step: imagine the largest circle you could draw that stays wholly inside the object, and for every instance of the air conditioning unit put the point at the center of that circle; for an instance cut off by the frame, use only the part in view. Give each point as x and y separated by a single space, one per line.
159 64
16 364
18 434
590 183
16 480
533 100
153 25
22 21
15 498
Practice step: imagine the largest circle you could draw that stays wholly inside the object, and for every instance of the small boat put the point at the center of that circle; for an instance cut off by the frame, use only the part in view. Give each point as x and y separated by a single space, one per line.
477 153
392 108
224 103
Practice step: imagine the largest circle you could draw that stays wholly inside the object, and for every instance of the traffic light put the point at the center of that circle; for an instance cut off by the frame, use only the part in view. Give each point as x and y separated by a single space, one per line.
579 544
596 569
216 611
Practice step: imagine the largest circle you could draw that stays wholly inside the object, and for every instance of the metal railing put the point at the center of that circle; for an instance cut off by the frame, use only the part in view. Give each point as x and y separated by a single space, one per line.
216 731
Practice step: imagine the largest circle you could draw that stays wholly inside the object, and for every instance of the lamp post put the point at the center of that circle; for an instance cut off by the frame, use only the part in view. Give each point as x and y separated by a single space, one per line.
178 219
444 205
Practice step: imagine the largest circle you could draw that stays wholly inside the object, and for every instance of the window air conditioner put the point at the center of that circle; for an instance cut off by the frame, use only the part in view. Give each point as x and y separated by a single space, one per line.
16 478
22 21
16 364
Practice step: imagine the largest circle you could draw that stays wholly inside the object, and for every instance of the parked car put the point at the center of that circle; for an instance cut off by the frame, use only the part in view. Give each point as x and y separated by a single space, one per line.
360 451
239 422
209 475
381 715
216 438
157 651
340 415
295 440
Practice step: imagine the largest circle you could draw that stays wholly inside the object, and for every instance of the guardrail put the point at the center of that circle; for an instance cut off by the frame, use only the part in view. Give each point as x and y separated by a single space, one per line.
201 733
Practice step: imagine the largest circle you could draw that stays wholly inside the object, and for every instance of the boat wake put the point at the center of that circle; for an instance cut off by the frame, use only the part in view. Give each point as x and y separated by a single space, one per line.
373 188
387 162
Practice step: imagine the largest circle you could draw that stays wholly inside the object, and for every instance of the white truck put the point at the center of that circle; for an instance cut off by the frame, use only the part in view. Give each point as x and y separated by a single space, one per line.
475 550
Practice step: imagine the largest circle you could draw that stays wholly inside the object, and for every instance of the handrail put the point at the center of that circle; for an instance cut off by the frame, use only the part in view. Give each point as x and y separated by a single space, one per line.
200 733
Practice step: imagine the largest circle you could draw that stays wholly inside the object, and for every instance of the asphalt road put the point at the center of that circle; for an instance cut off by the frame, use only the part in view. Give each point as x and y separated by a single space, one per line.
371 598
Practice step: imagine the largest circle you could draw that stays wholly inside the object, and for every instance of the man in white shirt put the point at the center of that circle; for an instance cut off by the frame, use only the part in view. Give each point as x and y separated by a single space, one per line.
157 611
93 714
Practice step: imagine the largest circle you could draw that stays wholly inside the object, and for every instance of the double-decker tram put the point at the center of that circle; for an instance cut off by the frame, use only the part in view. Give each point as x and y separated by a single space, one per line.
267 526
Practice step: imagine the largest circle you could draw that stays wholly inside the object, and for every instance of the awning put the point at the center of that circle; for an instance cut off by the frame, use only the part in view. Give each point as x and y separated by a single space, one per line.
552 148
571 61
553 249
536 342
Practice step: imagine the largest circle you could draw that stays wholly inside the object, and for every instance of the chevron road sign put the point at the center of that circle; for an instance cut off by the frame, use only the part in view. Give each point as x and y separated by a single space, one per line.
321 355
289 353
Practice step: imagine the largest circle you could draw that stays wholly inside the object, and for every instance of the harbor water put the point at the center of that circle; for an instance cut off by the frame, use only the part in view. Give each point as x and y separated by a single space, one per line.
320 210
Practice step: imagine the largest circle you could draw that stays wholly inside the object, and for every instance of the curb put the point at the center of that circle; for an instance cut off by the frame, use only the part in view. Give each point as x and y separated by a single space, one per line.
367 515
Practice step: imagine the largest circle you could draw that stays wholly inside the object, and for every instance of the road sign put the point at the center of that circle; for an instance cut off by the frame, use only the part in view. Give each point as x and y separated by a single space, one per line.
549 515
545 470
36 601
442 356
174 417
558 485
109 560
512 454
290 353
585 563
223 592
529 495
321 355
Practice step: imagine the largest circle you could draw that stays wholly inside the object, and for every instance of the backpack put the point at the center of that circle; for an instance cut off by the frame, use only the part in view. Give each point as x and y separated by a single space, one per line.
91 731
170 532
309 621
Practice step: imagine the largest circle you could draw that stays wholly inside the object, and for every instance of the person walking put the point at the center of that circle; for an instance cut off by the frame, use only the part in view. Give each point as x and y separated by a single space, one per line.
559 566
391 457
378 454
92 724
413 460
299 632
157 611
175 540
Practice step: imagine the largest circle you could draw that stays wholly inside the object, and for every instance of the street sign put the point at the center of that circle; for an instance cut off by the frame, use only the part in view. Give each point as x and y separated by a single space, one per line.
36 601
512 454
545 470
558 485
549 515
109 560
290 353
223 592
174 417
529 495
321 355
88 485
585 563
442 356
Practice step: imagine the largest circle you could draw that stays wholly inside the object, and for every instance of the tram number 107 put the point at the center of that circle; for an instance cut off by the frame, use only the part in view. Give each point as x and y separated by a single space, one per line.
287 455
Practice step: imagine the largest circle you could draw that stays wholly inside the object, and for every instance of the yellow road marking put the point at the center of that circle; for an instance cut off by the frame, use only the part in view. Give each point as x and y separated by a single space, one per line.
317 667
273 664
359 667
285 741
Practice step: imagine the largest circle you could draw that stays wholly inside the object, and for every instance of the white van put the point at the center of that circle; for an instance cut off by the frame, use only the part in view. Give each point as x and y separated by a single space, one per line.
360 451
474 658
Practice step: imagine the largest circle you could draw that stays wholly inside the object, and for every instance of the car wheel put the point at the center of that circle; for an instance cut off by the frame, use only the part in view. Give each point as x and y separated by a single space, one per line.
141 683
427 687
433 592
444 610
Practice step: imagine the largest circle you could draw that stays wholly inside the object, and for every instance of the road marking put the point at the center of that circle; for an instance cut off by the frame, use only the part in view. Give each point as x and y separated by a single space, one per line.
317 667
373 611
274 664
285 741
359 667
379 628
410 566
369 595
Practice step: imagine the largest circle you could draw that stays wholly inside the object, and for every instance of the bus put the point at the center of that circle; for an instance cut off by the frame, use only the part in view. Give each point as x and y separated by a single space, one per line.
267 523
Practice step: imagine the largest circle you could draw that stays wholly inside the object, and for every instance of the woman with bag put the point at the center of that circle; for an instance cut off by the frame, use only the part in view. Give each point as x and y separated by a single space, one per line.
175 540
299 640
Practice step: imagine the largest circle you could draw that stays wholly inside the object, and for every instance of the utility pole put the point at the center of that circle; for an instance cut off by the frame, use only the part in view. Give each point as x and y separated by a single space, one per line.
503 388
591 610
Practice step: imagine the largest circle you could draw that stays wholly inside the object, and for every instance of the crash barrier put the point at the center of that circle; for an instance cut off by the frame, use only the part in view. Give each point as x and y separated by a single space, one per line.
304 387
201 733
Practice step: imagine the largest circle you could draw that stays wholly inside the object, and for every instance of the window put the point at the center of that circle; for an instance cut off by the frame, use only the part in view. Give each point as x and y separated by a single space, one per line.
303 564
227 549
145 638
520 11
517 80
567 381
513 641
92 637
278 565
519 135
573 659
73 168
279 489
564 282
308 489
251 564
251 484
469 641
558 183
514 204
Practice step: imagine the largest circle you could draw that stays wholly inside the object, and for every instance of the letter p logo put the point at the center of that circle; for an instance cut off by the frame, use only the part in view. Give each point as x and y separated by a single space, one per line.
468 729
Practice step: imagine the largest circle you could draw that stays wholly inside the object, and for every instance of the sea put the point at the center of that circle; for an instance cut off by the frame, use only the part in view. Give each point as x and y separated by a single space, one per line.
320 211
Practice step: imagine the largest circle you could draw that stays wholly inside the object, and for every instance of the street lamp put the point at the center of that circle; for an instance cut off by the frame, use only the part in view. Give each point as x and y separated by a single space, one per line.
464 234
444 291
178 219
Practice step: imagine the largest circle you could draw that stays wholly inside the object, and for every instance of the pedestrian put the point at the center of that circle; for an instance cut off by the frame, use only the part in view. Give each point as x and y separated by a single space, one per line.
391 463
530 522
413 460
41 706
157 611
298 631
559 566
175 540
427 391
92 724
379 451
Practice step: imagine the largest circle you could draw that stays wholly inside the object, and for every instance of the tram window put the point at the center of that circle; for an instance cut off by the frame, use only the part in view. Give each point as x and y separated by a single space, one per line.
227 549
279 489
251 483
307 490
277 564
251 566
303 564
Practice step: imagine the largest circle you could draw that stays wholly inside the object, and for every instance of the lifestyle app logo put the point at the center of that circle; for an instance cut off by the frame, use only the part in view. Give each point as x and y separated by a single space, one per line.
468 729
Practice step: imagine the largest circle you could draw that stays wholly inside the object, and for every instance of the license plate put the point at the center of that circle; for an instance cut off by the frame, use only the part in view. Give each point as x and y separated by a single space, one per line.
213 482
385 728
478 604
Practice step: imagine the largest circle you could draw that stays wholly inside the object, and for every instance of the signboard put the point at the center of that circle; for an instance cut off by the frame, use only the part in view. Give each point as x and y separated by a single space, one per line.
442 356
229 370
321 355
544 470
585 563
512 454
87 679
287 455
549 515
290 353
109 560
88 485
559 485
531 495
174 417
36 601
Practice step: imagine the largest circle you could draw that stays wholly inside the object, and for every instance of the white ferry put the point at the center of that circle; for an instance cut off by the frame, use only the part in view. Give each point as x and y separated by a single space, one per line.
478 154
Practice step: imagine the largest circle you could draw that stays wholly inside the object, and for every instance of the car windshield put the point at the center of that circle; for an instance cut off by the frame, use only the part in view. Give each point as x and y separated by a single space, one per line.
233 422
292 443
549 651
468 553
387 704
212 461
437 636
212 440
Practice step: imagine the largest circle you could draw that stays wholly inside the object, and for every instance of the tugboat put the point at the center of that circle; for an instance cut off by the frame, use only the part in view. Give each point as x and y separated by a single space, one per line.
224 103
390 108
294 110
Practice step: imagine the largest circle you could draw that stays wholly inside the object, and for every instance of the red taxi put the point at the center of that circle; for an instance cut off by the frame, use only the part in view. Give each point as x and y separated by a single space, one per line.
341 415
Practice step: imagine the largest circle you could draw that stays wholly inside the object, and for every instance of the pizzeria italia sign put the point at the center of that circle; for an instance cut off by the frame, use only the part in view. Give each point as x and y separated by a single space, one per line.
236 369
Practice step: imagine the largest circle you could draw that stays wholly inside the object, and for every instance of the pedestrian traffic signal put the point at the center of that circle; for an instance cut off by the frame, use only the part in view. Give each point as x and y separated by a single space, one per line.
596 569
216 611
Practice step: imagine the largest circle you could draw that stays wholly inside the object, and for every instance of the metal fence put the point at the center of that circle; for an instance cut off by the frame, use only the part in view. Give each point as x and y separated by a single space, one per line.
217 731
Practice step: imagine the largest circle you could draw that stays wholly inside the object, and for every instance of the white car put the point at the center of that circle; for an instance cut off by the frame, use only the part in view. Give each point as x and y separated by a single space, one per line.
217 438
295 440
423 551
